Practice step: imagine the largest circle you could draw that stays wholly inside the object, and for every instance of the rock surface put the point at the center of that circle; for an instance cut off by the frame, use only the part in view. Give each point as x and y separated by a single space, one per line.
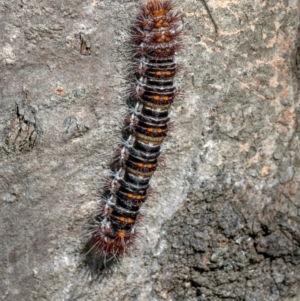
224 223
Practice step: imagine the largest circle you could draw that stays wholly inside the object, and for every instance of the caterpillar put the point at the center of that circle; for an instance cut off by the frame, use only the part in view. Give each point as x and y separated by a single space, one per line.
156 38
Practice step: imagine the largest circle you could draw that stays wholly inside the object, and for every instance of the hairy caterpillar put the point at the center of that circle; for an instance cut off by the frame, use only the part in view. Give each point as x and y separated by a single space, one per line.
156 39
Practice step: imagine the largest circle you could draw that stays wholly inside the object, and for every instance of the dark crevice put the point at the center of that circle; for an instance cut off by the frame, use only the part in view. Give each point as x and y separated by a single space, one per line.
23 132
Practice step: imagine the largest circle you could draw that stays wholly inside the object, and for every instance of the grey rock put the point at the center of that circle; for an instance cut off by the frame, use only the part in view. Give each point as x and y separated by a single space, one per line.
232 160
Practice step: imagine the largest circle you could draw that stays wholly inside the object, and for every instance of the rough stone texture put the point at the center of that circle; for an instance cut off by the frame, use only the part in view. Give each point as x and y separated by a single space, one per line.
224 223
